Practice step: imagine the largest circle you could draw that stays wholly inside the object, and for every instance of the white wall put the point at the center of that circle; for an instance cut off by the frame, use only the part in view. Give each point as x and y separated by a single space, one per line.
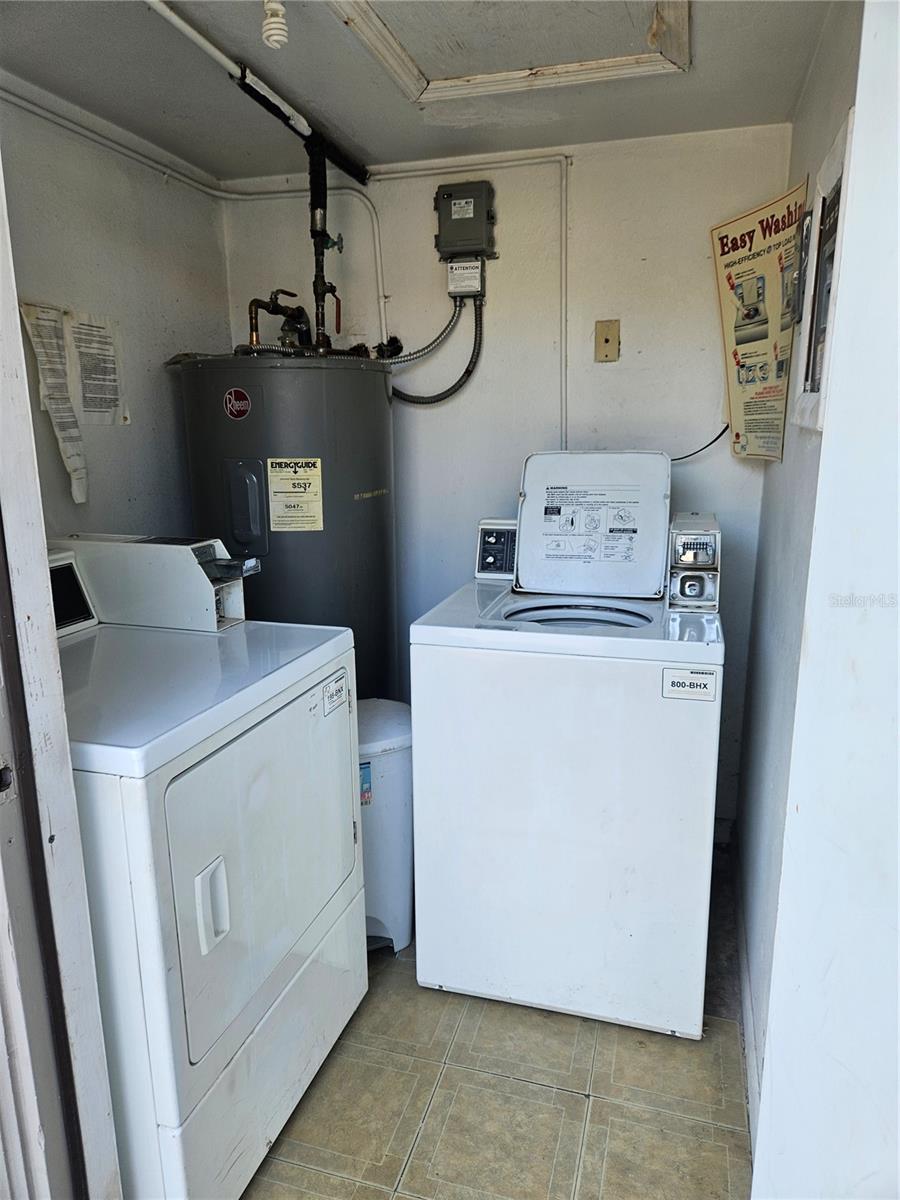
828 1115
639 218
784 540
93 231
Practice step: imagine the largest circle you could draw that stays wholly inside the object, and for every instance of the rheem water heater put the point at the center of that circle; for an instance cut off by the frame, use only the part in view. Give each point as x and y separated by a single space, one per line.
290 460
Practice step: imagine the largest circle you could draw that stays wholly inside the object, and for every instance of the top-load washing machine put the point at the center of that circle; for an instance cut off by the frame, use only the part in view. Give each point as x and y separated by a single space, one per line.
565 731
216 776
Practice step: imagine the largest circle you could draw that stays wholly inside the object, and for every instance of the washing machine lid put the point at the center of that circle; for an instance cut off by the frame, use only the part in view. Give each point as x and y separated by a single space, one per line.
593 523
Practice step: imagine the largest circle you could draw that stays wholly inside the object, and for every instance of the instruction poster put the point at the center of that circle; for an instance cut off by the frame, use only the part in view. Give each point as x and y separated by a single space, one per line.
295 495
756 259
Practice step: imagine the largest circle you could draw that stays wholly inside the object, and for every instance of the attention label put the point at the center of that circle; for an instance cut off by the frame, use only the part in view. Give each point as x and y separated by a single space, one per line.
688 685
462 210
295 495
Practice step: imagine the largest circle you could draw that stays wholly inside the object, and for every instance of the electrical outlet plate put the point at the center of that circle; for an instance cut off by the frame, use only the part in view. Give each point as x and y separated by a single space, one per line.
606 341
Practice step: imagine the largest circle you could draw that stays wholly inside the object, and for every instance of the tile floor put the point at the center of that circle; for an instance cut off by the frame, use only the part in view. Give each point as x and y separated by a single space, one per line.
433 1095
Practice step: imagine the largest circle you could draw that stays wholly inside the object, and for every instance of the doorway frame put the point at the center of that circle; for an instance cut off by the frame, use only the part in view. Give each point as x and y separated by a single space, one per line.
42 794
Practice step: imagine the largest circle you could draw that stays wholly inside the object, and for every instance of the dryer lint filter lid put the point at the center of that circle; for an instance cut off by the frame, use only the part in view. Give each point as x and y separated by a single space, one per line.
593 523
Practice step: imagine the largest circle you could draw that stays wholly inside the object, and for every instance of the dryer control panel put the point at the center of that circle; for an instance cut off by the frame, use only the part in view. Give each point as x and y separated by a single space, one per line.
496 554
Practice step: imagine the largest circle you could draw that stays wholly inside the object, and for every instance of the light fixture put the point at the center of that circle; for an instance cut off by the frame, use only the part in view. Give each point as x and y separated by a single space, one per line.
274 26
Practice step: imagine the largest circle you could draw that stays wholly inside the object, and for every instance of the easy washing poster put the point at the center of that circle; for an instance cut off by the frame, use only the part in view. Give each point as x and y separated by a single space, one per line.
756 260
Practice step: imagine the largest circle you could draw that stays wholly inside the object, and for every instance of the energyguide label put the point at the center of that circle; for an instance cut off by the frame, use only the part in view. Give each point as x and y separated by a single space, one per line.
295 495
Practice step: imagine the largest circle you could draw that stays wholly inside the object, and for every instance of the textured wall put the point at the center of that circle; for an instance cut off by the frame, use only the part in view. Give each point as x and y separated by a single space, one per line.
93 231
828 1108
784 539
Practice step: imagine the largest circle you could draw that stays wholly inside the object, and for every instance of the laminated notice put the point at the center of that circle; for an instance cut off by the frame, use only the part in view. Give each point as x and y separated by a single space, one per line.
590 523
295 495
757 263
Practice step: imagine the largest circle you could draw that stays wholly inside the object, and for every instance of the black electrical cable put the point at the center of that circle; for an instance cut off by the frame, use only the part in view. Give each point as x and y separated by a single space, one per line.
470 367
711 442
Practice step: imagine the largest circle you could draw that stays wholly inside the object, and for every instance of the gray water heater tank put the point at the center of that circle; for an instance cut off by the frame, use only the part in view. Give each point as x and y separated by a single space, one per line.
291 459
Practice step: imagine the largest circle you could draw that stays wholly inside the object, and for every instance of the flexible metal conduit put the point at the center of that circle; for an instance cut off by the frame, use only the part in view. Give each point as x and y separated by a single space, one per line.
518 159
470 366
415 355
379 174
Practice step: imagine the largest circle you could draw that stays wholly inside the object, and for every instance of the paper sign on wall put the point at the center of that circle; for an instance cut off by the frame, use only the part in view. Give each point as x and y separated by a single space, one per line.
79 379
44 325
756 259
92 354
295 495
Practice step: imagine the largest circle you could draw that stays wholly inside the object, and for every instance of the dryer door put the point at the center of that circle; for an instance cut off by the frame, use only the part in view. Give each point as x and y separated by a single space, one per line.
260 838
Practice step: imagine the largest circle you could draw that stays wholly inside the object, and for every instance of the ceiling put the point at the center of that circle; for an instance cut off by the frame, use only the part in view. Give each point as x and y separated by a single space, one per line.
123 63
470 37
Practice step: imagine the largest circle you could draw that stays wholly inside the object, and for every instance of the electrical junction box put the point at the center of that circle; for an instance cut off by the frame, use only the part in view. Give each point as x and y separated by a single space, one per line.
606 341
465 277
465 220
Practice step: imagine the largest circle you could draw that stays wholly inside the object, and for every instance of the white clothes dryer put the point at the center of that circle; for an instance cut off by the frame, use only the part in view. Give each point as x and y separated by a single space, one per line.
218 799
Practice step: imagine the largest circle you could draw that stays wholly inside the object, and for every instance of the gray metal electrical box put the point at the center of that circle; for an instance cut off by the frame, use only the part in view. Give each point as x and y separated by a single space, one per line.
465 220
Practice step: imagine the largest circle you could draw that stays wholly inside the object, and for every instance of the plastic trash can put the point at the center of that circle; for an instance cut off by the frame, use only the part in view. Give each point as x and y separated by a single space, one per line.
385 785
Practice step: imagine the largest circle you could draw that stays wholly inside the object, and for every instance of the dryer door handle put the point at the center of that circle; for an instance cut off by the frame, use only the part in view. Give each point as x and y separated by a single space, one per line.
211 899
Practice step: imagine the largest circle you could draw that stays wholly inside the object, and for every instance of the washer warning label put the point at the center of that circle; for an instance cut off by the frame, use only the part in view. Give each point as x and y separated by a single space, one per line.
295 495
688 685
590 523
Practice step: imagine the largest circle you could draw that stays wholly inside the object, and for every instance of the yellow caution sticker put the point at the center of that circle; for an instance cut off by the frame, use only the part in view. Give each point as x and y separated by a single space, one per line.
295 495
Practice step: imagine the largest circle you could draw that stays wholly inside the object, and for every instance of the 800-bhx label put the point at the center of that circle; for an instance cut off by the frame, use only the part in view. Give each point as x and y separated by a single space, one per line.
688 685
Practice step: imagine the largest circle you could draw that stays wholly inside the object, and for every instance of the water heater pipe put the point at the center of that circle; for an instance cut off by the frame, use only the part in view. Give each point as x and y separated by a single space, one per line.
321 240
